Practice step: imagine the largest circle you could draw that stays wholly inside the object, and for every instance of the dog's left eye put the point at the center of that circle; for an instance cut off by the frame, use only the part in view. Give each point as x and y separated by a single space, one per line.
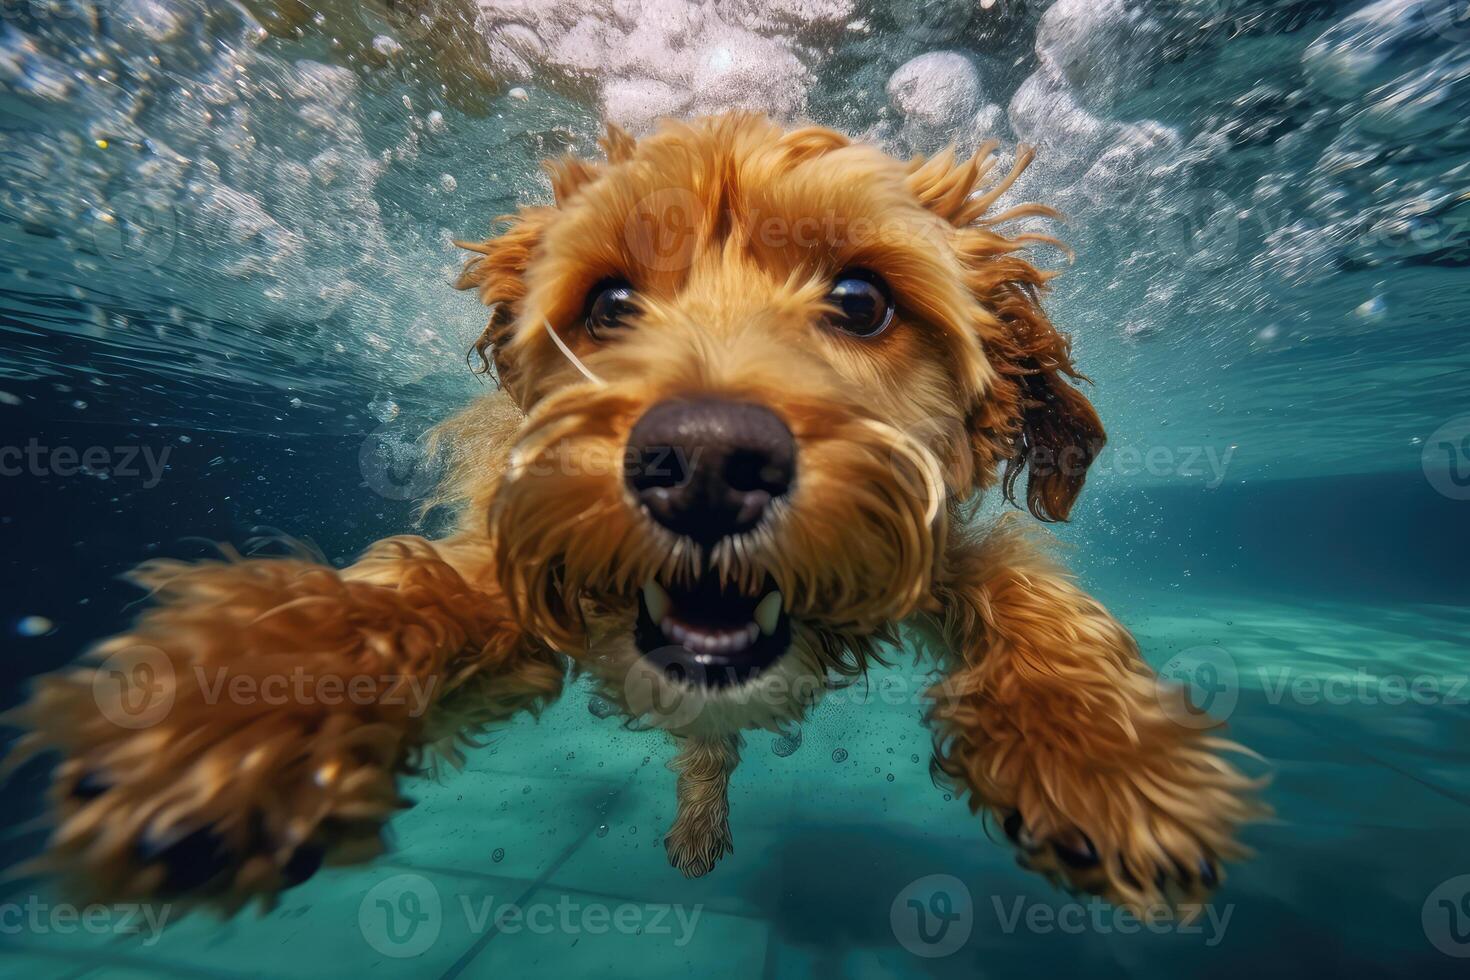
609 304
862 304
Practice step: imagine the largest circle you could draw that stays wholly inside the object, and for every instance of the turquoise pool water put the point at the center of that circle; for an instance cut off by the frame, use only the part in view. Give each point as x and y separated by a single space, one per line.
226 263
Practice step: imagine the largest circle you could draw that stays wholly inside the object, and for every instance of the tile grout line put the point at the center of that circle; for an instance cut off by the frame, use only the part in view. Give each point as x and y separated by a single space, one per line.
97 959
491 932
1448 794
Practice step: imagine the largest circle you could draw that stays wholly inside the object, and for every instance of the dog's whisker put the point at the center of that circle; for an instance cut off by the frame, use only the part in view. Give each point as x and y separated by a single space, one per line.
576 361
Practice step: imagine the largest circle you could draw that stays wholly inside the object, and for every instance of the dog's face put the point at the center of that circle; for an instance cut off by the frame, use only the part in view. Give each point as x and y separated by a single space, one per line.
756 368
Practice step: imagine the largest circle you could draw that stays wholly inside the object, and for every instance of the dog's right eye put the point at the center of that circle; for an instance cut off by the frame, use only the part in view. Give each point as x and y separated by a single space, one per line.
609 304
861 304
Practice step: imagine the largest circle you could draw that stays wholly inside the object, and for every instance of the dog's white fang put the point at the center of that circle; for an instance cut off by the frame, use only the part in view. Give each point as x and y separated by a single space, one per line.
657 601
768 613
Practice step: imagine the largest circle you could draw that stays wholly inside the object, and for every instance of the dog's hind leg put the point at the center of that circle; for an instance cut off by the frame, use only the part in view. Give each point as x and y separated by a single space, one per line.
256 718
1051 721
701 832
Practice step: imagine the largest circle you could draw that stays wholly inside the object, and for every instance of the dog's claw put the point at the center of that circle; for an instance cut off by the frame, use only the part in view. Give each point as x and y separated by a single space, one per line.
1081 856
190 860
304 862
89 787
1015 829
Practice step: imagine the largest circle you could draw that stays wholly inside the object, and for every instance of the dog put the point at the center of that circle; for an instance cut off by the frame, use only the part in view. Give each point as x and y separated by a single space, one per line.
750 382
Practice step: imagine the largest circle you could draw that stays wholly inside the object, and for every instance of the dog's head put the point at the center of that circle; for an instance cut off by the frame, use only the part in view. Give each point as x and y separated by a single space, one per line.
756 369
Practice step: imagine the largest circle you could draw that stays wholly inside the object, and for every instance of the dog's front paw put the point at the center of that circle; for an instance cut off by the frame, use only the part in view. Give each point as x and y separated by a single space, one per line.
694 847
211 802
1150 833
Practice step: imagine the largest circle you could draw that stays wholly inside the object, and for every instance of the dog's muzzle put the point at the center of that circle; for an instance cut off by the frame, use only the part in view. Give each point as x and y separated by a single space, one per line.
708 469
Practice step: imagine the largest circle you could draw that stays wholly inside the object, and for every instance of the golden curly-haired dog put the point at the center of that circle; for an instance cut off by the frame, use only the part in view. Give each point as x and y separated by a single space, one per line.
749 380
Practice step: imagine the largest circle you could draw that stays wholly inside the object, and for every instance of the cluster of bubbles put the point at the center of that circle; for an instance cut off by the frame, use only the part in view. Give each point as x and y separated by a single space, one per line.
303 169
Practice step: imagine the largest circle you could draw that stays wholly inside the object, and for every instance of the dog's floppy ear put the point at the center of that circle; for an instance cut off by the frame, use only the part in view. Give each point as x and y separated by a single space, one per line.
1047 426
498 267
1033 418
498 272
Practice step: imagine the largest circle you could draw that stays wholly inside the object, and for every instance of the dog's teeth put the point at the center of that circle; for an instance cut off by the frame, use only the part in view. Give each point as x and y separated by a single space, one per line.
657 601
768 613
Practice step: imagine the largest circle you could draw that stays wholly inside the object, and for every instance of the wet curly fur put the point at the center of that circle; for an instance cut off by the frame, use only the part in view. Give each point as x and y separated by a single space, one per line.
1045 715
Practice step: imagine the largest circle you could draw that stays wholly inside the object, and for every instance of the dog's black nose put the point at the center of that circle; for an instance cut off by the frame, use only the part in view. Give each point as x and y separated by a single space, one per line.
709 468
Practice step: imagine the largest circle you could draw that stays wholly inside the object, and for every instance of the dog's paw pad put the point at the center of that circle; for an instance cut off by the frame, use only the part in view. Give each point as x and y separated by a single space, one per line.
1072 861
1072 848
201 860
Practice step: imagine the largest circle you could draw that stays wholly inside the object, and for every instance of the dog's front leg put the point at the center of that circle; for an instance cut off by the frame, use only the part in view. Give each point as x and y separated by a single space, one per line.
1051 721
256 718
701 832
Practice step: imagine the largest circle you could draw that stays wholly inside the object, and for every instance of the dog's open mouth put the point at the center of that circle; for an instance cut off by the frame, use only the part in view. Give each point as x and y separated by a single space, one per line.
711 635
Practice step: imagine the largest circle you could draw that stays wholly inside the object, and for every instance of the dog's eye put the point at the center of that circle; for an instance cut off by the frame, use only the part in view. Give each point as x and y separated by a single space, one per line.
609 304
862 303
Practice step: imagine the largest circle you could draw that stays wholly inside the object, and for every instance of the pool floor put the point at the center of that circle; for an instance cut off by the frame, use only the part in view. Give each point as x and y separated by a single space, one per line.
563 818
